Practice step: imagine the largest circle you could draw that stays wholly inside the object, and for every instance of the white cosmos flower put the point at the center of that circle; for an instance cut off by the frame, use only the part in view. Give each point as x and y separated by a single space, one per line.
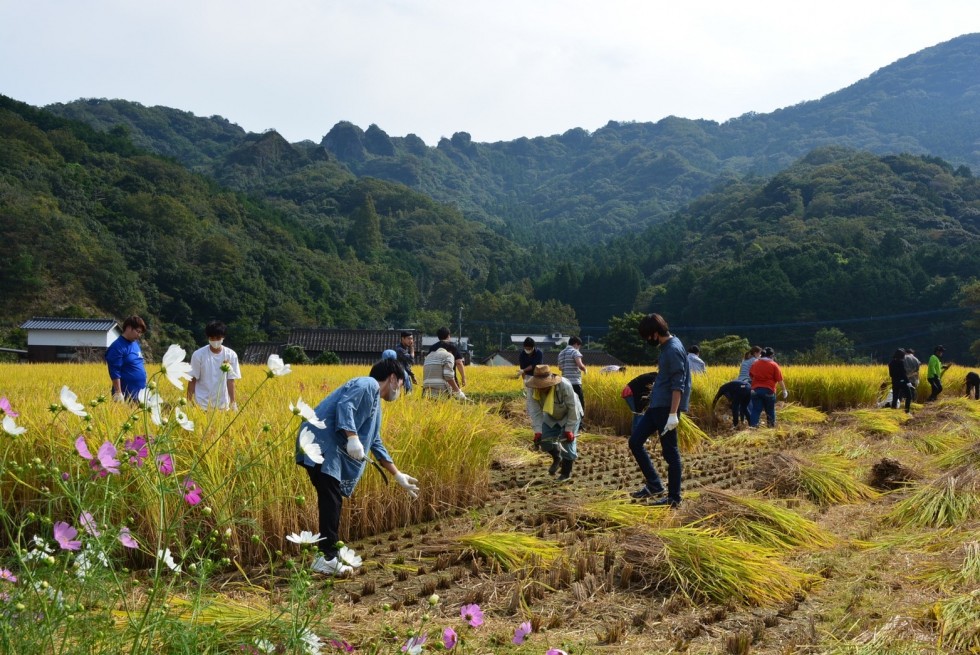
349 557
40 550
313 643
304 410
70 402
310 448
276 366
168 559
11 427
265 645
174 366
305 537
183 421
151 400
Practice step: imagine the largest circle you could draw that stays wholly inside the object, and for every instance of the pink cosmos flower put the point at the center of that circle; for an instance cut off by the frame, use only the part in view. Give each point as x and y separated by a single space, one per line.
5 574
6 409
126 539
165 464
138 446
65 535
521 633
342 645
193 495
107 457
414 645
449 638
472 614
555 651
88 522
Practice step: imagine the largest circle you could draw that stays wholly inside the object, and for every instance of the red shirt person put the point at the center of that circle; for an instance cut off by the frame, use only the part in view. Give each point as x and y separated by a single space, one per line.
765 374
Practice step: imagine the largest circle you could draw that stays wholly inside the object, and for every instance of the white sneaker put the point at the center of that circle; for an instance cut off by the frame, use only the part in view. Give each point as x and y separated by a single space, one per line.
330 566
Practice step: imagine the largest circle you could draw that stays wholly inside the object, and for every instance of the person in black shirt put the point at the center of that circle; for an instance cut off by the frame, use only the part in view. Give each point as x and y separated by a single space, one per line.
530 357
406 357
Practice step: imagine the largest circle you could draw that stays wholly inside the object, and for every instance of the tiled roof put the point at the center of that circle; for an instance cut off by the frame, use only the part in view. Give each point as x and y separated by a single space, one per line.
73 324
371 342
258 352
589 358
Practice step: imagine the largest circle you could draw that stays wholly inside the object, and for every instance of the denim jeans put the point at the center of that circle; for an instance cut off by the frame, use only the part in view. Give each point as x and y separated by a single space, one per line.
654 420
553 441
762 398
636 417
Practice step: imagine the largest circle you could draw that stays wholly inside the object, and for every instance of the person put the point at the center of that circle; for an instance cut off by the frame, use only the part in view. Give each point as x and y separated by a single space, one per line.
556 415
572 368
124 358
912 365
530 357
934 372
695 362
351 420
636 393
669 396
765 373
973 385
901 387
613 368
750 358
214 369
444 342
739 395
438 375
405 352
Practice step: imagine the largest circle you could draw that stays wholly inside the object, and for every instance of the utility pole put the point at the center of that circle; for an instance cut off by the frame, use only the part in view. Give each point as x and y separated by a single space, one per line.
459 333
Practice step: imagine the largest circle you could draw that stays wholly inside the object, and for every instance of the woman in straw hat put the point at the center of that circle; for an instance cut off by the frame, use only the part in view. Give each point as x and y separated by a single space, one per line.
556 415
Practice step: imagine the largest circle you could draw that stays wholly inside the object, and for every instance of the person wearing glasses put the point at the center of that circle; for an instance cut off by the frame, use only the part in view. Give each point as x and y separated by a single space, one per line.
125 361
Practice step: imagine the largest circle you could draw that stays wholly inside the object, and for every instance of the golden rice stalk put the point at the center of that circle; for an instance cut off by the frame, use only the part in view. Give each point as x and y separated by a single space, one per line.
707 565
964 571
878 421
794 413
825 479
691 438
511 549
234 617
621 513
754 439
758 521
958 622
947 438
959 407
968 454
948 500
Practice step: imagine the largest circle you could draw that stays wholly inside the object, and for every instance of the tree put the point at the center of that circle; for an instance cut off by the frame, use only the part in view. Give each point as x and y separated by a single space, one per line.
730 349
365 231
970 298
294 354
624 342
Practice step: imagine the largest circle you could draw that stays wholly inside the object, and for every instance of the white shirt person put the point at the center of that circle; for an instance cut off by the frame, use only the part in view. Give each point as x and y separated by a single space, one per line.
214 369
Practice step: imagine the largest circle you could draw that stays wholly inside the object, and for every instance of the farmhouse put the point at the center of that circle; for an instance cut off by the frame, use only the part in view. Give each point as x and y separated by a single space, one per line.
69 339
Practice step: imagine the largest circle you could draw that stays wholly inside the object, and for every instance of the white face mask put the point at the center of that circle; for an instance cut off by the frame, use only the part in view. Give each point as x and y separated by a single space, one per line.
216 343
529 350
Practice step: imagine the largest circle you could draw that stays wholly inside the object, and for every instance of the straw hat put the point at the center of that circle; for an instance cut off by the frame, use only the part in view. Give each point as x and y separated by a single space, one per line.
543 378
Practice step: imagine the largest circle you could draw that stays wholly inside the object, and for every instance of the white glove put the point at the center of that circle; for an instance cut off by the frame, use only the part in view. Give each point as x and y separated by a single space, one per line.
785 394
408 483
355 448
118 397
460 395
671 423
234 407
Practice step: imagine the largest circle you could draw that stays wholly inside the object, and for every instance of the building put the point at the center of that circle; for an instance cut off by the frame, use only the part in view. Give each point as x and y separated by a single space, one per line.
462 344
69 339
351 346
542 341
595 359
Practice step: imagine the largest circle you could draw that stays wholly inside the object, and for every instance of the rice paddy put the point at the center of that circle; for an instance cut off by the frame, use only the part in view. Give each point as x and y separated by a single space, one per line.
846 528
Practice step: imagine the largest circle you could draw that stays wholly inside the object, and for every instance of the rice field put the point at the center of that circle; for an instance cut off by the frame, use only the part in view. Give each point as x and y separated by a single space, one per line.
810 537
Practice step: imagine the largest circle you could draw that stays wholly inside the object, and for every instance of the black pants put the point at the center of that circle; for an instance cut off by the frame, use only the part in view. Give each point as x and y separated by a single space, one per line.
577 388
937 388
900 390
329 503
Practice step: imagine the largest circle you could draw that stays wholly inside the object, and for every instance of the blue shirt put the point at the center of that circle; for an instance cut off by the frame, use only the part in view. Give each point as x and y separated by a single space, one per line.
673 374
355 407
743 371
125 361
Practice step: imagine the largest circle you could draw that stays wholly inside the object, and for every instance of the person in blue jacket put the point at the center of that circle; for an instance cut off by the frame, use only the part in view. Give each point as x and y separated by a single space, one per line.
669 396
348 425
125 361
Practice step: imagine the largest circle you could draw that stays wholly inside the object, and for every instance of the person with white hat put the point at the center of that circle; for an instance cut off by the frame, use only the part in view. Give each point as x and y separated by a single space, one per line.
556 417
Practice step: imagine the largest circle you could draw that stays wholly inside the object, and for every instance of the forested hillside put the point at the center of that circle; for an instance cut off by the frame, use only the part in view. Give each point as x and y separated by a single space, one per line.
92 225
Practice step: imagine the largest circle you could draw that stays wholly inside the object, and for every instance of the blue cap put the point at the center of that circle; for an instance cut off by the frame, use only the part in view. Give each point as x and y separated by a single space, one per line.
389 354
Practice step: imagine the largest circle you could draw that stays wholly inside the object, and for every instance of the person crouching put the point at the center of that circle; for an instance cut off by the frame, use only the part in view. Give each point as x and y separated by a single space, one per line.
556 415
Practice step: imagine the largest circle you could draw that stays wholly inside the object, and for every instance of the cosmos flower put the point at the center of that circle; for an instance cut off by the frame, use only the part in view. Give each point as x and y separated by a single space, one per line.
521 633
183 421
39 550
472 614
193 495
168 559
65 535
10 426
349 557
277 368
414 645
265 646
165 463
7 576
449 638
88 522
174 366
304 410
126 539
149 399
304 537
310 448
107 457
70 402
6 409
138 446
342 645
555 651
313 643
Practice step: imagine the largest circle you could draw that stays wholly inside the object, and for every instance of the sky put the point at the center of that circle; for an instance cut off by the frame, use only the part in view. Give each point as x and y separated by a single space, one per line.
498 70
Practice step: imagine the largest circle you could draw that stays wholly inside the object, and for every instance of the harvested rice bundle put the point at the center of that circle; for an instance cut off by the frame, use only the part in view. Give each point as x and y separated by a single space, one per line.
957 622
794 413
948 500
757 521
825 479
890 474
510 549
878 421
966 455
691 438
948 438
